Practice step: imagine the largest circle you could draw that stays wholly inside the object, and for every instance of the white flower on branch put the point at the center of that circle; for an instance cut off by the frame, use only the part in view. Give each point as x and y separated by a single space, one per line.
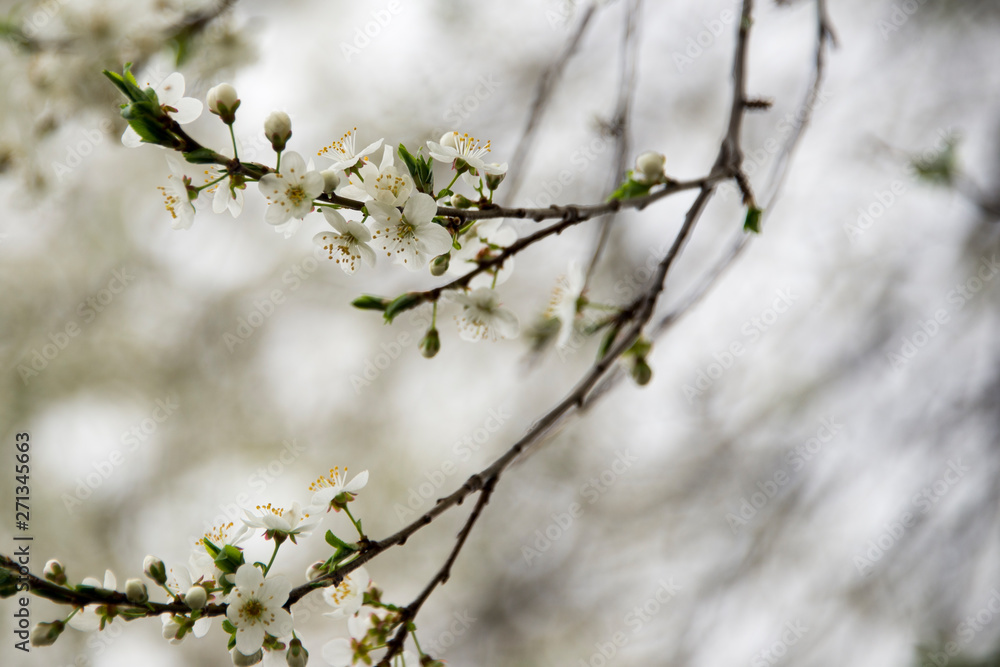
565 303
228 198
348 244
343 153
456 148
347 597
481 242
291 192
170 93
328 489
386 184
412 238
280 523
255 608
483 317
340 652
176 196
89 618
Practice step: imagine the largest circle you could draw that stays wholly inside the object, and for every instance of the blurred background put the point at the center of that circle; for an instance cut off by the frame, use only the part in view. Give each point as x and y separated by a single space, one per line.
810 477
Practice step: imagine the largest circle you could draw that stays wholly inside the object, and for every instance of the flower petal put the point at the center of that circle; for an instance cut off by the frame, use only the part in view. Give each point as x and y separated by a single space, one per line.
249 638
435 239
188 110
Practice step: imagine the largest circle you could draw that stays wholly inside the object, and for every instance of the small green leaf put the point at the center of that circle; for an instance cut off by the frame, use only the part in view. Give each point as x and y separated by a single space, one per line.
401 304
204 156
335 541
752 222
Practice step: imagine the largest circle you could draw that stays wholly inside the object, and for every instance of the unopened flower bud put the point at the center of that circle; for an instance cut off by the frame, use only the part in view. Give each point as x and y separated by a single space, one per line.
315 571
330 180
493 181
649 167
171 628
55 572
278 130
297 655
440 264
155 570
431 343
460 201
223 102
135 591
241 660
449 139
46 634
196 597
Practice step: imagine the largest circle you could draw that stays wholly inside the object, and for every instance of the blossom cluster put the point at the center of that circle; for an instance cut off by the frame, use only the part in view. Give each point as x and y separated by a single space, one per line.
255 599
376 206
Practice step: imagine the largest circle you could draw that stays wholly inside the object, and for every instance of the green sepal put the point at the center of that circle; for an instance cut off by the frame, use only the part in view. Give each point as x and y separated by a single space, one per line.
420 169
630 189
401 304
752 222
204 156
228 627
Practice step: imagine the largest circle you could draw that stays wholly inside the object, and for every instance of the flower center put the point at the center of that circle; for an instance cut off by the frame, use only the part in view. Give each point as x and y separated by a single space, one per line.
253 609
295 194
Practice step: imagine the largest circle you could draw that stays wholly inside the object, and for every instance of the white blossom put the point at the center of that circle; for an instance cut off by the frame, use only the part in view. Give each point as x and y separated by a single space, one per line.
483 317
255 608
348 244
291 192
410 237
343 153
170 93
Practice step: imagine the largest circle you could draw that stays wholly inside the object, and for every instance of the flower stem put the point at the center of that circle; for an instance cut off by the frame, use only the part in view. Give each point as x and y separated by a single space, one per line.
448 187
232 135
357 524
267 568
